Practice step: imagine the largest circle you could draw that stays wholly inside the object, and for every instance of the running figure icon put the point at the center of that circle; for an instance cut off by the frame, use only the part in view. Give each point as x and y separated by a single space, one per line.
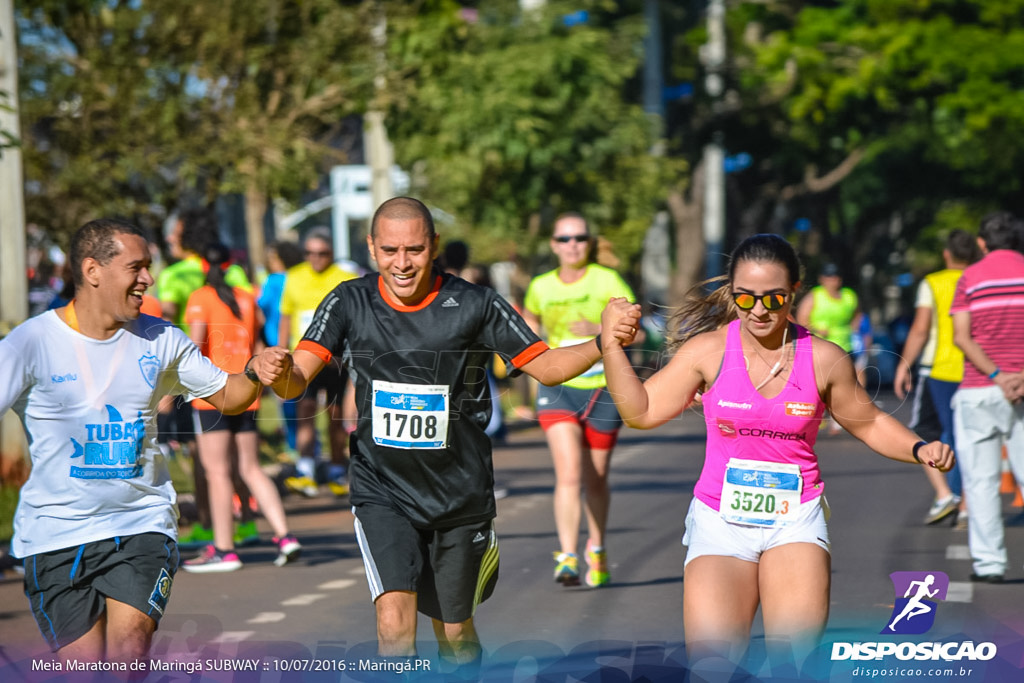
916 606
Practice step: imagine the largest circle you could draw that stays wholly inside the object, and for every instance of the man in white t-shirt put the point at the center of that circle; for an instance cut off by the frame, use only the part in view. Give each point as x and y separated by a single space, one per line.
96 522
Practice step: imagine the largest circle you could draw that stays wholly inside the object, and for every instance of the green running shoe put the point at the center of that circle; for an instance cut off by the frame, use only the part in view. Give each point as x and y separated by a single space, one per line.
597 563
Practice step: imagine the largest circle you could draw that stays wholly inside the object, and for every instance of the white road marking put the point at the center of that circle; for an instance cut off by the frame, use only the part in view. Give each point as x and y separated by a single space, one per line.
338 584
267 618
304 599
960 591
958 552
232 636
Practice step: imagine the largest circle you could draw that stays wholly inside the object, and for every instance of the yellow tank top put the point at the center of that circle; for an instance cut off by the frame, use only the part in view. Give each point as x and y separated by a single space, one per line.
948 365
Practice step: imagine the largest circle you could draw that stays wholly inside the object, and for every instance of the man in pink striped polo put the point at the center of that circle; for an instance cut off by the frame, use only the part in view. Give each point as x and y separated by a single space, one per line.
988 326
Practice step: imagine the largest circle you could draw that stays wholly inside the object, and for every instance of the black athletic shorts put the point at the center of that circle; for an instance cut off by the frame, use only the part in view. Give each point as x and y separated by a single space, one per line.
332 379
451 570
67 589
177 425
216 421
924 419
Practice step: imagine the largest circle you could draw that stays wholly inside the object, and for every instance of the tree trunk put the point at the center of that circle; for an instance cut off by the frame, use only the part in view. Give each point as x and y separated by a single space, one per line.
687 214
255 212
14 458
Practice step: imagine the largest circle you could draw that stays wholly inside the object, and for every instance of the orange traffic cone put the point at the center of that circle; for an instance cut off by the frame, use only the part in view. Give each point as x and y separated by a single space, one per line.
1008 484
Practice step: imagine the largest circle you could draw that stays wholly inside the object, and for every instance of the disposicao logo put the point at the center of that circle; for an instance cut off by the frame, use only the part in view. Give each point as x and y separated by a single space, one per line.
914 612
916 604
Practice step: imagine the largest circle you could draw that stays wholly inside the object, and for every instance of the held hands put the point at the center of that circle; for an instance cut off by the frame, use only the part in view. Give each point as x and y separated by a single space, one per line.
620 321
271 365
938 455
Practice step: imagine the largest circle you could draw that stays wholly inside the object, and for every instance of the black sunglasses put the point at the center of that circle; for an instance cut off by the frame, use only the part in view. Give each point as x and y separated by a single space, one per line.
317 253
746 301
565 239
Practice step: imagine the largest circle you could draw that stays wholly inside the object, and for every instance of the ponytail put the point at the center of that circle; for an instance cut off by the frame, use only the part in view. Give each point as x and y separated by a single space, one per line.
701 311
219 258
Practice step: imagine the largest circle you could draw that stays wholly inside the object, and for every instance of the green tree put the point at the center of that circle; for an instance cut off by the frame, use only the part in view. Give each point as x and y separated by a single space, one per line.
868 115
508 118
129 106
101 112
277 79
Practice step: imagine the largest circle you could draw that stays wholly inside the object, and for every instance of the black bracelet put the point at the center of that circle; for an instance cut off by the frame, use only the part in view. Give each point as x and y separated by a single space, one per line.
917 447
597 340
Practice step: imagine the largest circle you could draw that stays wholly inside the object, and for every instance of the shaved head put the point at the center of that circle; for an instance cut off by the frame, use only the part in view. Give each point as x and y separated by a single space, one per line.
403 209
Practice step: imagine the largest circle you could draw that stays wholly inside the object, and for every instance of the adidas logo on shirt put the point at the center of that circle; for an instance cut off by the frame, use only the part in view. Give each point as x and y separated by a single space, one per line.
479 536
449 303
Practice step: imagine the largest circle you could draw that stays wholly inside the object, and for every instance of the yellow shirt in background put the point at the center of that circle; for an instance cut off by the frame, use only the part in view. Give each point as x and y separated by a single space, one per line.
304 289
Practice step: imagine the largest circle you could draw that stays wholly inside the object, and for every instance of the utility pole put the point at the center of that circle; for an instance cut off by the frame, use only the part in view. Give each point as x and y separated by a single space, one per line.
713 57
13 288
655 265
379 152
13 285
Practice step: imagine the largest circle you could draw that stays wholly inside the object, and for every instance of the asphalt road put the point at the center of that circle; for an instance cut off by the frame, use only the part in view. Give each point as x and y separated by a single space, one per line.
308 620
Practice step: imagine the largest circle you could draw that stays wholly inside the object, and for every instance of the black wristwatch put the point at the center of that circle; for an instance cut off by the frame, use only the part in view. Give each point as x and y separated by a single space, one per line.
250 373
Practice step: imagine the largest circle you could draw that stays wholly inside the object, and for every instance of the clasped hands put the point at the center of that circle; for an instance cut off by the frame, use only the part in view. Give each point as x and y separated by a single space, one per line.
620 322
272 364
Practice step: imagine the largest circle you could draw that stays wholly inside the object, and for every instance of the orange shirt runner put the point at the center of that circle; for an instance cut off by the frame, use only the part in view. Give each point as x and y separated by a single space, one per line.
229 340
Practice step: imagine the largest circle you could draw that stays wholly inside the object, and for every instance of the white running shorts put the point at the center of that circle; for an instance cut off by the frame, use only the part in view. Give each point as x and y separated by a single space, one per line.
708 534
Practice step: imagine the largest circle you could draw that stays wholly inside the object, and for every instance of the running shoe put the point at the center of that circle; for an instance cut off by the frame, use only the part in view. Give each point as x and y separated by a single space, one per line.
246 534
597 567
961 521
567 569
338 488
197 537
212 560
987 578
288 549
941 509
302 485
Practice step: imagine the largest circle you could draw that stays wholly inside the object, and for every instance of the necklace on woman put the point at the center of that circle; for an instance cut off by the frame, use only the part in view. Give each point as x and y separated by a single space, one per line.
779 364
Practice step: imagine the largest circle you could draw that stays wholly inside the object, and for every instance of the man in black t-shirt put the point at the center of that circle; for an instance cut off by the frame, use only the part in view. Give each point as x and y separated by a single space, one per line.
416 344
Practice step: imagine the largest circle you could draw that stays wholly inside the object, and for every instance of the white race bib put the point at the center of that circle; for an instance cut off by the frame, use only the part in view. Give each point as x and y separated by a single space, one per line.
761 493
410 415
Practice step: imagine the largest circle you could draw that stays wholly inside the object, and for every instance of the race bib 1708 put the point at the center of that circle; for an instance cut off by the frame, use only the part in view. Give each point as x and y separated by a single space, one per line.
410 415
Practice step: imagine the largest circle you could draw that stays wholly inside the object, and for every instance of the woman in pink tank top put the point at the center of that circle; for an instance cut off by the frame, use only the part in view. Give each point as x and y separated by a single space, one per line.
756 530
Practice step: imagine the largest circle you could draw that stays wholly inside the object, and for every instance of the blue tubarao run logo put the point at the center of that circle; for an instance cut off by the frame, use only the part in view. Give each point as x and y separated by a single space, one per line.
110 449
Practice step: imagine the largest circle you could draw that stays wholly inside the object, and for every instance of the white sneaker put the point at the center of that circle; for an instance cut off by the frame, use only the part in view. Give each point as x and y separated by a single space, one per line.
941 509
